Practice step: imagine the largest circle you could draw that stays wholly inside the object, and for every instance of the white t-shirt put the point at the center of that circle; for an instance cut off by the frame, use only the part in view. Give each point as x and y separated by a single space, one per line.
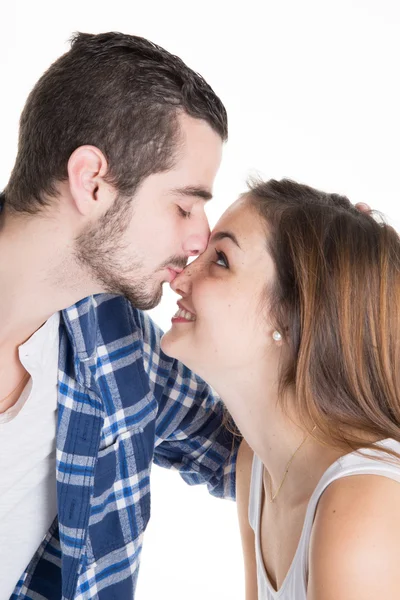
28 502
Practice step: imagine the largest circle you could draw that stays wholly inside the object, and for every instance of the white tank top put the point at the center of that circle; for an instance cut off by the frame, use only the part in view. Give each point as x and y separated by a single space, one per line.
294 586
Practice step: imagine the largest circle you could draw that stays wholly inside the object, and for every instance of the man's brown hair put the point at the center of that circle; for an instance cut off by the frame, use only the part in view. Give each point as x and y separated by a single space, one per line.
120 93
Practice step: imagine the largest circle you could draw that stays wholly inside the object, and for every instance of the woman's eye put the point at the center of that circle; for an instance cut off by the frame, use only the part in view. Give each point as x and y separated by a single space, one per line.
221 260
183 213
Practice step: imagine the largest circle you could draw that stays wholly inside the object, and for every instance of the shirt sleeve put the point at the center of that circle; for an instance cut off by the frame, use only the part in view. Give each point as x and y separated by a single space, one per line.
193 430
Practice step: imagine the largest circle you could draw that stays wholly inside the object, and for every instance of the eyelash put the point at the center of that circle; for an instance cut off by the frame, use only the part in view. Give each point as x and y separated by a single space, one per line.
221 256
184 213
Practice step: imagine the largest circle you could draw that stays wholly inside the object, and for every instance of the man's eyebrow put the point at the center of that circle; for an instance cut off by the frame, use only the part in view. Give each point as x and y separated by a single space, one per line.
198 192
220 235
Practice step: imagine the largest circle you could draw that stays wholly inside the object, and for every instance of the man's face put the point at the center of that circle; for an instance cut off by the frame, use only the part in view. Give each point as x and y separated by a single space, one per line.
139 245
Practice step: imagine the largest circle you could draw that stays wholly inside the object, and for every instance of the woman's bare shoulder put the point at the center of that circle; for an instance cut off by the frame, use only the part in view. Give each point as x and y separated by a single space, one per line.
355 542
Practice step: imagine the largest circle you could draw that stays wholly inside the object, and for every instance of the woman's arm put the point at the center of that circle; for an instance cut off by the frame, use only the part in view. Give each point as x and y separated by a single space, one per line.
355 542
243 477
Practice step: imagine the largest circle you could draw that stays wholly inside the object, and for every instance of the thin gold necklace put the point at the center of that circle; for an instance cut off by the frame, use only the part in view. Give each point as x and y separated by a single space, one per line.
15 389
273 496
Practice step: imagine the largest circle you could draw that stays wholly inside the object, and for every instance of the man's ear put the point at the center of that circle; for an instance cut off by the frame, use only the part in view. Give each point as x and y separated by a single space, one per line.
86 168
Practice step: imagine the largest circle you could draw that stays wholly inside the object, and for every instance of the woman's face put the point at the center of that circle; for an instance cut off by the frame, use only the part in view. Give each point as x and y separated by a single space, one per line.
222 323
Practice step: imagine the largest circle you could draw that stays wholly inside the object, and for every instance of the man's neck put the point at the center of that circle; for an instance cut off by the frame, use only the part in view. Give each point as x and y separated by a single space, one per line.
38 276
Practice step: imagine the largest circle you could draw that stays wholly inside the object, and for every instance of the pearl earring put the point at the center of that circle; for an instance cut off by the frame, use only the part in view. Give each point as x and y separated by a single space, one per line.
277 336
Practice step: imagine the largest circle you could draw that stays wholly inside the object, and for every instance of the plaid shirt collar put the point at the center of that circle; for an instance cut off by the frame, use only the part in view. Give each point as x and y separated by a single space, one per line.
81 323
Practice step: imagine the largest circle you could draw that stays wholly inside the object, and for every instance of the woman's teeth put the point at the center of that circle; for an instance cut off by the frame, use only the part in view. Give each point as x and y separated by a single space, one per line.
184 314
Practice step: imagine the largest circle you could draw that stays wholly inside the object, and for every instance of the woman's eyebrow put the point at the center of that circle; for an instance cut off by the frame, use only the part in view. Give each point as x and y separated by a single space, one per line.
220 235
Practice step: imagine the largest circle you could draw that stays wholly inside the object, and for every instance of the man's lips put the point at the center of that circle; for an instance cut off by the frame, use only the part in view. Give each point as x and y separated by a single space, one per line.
173 272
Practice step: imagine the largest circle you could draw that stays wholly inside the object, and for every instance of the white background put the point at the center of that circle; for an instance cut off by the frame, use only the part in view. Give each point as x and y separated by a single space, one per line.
312 93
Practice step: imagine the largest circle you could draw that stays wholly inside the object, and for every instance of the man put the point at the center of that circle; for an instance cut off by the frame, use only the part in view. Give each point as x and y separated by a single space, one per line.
118 149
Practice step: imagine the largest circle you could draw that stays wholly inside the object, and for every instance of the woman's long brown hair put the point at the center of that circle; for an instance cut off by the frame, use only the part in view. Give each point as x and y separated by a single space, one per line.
336 301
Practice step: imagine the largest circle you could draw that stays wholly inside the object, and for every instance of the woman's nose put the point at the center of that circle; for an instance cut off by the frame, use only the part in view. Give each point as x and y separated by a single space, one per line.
182 282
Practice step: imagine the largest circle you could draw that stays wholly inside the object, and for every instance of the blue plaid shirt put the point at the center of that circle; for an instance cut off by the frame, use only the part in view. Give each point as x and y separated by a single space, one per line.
122 404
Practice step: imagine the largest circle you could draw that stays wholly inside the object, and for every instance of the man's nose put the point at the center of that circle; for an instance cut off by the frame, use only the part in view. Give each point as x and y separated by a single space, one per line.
197 243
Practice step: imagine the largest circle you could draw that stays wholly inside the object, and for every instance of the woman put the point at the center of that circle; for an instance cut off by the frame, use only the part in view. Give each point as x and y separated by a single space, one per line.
293 315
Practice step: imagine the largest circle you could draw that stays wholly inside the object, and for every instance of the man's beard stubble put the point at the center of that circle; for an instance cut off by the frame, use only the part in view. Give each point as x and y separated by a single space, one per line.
100 250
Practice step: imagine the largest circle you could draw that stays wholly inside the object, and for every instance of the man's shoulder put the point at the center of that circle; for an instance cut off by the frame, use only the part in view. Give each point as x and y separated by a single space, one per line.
106 310
106 319
117 313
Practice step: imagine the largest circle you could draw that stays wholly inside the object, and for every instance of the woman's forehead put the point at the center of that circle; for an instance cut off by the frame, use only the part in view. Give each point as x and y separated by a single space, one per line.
242 219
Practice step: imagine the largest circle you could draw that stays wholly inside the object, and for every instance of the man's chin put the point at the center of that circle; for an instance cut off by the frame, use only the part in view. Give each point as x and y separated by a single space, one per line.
144 301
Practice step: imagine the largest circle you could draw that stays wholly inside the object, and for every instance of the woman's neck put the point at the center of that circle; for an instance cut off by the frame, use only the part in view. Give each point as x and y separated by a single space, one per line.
275 437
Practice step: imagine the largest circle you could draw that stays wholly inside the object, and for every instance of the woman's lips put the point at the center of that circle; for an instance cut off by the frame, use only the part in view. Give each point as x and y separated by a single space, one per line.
183 315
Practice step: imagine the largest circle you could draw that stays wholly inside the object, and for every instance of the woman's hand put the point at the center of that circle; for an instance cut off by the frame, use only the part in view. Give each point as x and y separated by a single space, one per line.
362 207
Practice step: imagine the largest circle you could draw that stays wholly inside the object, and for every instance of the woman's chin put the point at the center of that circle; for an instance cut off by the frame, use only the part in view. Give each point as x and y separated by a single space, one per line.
167 345
171 346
